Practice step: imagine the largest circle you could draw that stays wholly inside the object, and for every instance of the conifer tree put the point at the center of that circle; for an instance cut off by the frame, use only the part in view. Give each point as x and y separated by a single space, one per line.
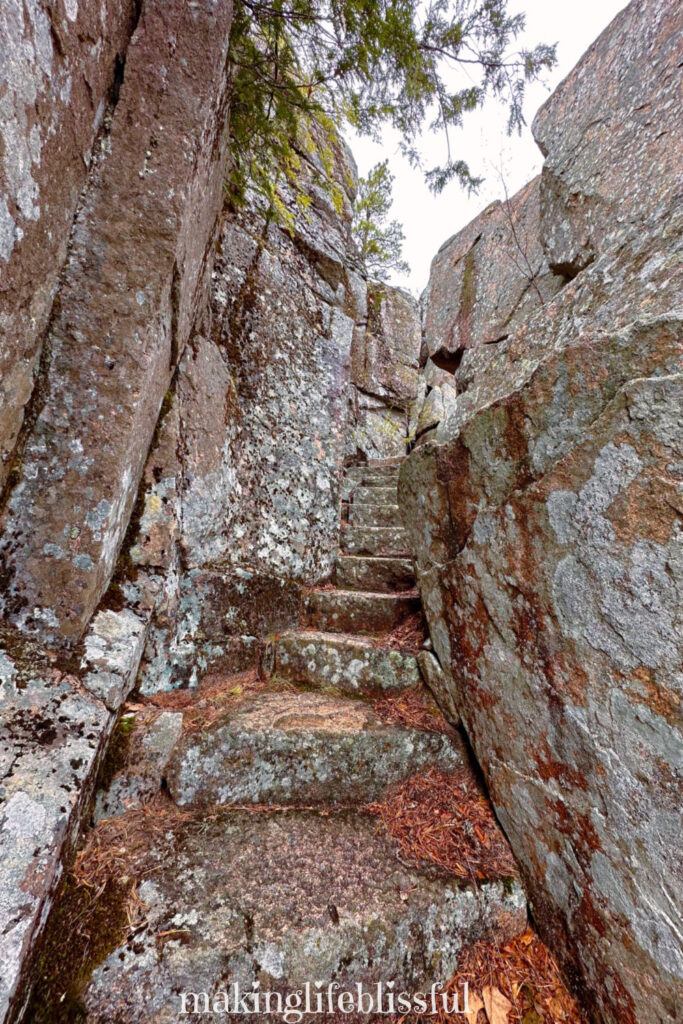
410 64
380 241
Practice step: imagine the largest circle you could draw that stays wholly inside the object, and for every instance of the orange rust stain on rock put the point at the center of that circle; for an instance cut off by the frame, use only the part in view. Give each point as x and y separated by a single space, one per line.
578 827
533 627
550 768
659 698
590 915
454 468
515 435
583 365
649 507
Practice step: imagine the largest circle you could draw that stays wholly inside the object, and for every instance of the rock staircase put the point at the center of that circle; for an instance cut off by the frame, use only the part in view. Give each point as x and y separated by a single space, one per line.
272 871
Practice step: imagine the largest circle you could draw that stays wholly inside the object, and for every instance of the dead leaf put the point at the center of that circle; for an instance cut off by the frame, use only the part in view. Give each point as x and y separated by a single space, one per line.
475 1005
496 1005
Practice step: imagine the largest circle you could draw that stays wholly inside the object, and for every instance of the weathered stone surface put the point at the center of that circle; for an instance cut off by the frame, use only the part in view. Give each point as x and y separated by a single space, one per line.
384 359
52 739
243 485
58 65
438 403
363 572
113 648
367 495
340 664
354 611
545 530
611 133
374 515
436 377
283 340
151 744
374 540
129 296
486 279
378 431
300 748
558 612
287 899
439 684
53 734
383 473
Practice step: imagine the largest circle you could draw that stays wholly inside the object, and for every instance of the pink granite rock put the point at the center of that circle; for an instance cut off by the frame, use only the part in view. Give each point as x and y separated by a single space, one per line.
134 280
54 93
546 525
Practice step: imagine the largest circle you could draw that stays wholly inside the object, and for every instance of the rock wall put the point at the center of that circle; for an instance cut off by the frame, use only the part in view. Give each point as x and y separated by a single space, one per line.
57 719
176 482
544 514
54 94
241 501
384 373
114 141
484 282
137 270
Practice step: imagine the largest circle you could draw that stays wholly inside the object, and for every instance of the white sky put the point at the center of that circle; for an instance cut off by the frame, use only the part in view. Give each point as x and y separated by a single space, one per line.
429 220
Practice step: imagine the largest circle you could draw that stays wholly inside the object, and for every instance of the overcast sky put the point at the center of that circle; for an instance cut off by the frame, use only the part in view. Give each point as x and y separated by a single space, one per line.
429 220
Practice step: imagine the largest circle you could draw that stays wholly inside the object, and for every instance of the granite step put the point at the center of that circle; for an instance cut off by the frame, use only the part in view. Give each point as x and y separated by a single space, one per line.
373 474
340 663
368 495
285 899
375 515
367 572
357 611
287 747
374 540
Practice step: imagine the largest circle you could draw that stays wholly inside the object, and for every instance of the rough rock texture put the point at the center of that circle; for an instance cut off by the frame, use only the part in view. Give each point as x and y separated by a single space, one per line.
622 101
438 682
287 899
486 279
375 540
483 283
301 748
546 528
384 372
133 283
385 358
53 734
340 664
379 429
241 491
151 744
277 897
54 92
283 330
358 572
377 515
353 611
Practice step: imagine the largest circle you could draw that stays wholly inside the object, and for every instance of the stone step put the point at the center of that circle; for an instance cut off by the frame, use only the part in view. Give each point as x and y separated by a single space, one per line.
364 572
375 515
357 611
284 899
288 747
335 662
374 540
374 474
367 495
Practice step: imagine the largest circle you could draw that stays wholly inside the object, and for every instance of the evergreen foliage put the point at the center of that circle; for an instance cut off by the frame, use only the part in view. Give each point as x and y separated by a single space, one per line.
407 64
380 242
